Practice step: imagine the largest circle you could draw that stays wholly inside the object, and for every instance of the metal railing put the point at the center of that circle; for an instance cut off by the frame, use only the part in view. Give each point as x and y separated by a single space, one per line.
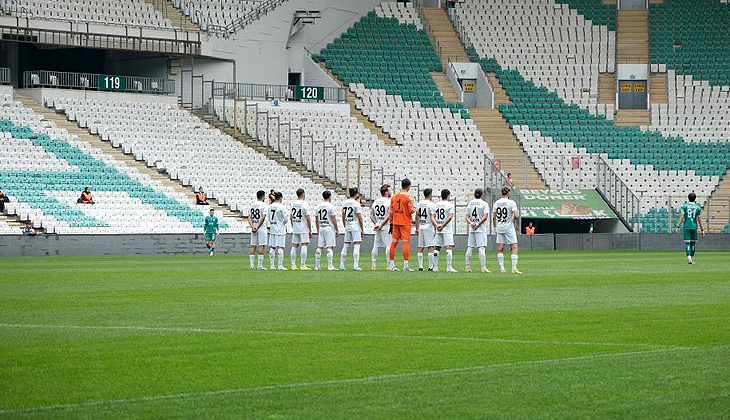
617 194
240 23
660 213
271 92
90 81
5 76
130 41
431 35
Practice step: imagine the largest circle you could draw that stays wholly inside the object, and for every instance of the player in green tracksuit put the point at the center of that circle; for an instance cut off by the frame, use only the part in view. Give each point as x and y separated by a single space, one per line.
211 231
689 221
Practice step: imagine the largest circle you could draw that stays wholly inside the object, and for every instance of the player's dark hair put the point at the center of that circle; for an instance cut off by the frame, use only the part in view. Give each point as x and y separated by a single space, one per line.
505 190
405 183
326 194
211 210
478 193
353 192
300 192
692 197
278 196
384 189
427 192
445 193
260 194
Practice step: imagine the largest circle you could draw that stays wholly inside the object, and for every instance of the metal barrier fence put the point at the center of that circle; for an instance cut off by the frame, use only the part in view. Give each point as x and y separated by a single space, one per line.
91 81
240 23
5 76
660 213
271 92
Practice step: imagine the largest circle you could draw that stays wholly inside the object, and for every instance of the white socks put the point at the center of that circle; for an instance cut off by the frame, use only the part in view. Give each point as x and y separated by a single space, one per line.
293 255
500 260
330 255
514 261
449 258
374 256
356 255
281 257
252 261
483 258
343 254
420 260
317 255
467 258
303 255
436 259
261 260
272 258
430 261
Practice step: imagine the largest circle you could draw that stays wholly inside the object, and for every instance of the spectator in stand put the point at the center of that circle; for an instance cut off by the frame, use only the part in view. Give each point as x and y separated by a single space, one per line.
86 197
3 199
200 197
28 230
508 180
530 230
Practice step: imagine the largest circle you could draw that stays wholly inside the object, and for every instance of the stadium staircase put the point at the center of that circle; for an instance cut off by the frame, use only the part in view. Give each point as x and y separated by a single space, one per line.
719 213
169 11
607 88
437 23
95 140
658 88
632 36
272 154
15 223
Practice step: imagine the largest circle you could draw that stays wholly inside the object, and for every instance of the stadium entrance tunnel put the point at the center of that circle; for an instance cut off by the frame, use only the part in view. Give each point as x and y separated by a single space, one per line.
573 225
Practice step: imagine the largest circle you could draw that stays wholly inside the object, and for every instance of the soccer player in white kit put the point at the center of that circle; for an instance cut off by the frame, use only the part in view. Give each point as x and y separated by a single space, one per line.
477 218
380 216
352 221
326 221
444 215
277 231
503 217
257 220
425 226
301 226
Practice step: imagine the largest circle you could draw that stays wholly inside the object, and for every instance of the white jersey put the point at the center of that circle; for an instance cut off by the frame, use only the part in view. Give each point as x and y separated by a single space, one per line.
324 214
380 209
257 211
277 219
424 210
299 213
442 211
476 210
503 210
351 208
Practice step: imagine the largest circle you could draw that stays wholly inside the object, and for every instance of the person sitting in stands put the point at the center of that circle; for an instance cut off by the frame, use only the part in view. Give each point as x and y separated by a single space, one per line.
200 197
530 230
28 230
86 197
3 199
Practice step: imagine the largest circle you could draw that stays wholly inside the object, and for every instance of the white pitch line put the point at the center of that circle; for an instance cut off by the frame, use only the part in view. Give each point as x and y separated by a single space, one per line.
367 379
340 335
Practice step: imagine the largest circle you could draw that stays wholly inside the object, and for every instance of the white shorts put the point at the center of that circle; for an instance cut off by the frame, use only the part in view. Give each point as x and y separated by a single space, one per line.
507 238
259 238
425 238
477 240
353 236
276 240
326 237
444 239
382 238
300 238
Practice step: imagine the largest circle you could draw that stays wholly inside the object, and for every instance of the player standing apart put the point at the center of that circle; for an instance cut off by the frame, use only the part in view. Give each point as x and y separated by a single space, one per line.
477 218
211 231
326 221
689 220
401 210
257 221
425 228
380 215
301 226
504 216
277 231
444 215
352 221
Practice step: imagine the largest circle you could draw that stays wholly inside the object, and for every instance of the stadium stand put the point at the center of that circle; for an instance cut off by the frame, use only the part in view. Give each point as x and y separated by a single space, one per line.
6 229
127 12
189 150
44 179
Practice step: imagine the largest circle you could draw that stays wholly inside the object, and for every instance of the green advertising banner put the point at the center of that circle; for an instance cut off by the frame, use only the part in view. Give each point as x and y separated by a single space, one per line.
564 204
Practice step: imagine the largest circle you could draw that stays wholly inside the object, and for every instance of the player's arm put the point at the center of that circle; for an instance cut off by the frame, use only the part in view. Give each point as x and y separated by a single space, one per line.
699 223
372 216
343 218
359 220
316 222
468 220
448 220
250 221
334 223
434 223
263 219
484 220
494 218
309 224
681 220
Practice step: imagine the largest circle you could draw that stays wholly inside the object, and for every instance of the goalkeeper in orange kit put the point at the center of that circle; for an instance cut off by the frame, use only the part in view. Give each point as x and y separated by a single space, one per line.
401 209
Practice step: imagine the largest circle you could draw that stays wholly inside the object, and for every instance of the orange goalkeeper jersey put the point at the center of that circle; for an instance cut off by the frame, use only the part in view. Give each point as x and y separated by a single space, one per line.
401 206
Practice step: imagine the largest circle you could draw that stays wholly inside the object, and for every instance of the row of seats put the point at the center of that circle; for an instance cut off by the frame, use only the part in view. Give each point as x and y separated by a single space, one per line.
189 150
128 12
205 13
6 229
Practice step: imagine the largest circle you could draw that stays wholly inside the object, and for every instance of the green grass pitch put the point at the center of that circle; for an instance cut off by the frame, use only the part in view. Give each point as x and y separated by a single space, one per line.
581 335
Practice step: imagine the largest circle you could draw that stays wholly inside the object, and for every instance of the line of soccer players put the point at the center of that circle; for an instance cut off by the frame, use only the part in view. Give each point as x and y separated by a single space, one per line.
391 215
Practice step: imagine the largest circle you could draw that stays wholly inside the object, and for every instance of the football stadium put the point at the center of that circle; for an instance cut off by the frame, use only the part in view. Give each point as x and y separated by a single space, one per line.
365 209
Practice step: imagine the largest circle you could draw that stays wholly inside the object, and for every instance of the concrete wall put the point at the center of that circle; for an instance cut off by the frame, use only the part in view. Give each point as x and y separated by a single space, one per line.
313 75
48 245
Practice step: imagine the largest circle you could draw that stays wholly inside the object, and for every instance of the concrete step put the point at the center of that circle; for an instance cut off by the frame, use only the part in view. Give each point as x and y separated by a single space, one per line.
658 88
720 211
607 88
632 117
444 86
169 11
